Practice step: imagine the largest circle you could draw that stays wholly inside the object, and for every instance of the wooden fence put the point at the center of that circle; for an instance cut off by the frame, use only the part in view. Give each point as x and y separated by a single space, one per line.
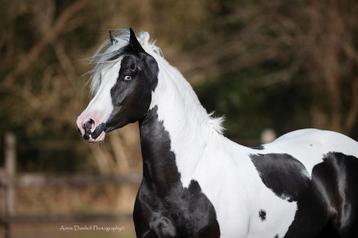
10 180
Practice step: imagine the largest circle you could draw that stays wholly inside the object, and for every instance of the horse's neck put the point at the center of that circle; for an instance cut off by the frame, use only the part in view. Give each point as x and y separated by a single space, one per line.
159 169
174 133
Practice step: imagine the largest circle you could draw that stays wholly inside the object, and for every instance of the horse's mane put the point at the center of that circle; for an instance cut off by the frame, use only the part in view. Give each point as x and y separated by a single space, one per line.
107 51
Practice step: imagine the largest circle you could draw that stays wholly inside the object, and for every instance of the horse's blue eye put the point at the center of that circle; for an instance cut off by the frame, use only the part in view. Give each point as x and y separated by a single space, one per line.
127 77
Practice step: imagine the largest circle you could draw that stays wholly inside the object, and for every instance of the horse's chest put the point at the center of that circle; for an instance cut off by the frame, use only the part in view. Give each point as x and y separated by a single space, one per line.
183 212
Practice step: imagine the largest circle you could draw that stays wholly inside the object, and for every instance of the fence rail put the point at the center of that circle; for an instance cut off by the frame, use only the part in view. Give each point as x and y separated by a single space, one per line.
10 181
39 180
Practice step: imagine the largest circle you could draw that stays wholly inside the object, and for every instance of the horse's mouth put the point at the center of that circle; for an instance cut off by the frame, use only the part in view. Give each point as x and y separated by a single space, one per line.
95 135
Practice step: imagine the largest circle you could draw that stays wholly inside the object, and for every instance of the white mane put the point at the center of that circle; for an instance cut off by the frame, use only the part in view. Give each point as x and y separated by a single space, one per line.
101 61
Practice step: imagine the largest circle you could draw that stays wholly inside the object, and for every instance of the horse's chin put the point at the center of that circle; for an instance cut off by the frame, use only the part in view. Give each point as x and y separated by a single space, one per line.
99 139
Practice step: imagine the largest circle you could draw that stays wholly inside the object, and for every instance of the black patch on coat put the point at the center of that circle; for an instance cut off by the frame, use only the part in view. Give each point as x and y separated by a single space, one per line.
131 98
276 236
262 215
163 207
282 173
327 204
329 208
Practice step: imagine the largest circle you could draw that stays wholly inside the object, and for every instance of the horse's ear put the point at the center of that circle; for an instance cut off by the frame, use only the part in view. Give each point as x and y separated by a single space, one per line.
111 37
133 41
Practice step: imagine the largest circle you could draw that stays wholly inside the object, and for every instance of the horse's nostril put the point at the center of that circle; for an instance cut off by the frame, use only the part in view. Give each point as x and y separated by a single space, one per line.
88 125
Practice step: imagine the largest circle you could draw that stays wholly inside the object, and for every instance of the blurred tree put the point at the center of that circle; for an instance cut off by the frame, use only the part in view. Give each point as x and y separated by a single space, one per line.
306 48
40 95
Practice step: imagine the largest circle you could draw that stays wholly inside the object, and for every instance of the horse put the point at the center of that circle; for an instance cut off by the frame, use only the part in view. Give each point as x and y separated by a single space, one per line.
198 183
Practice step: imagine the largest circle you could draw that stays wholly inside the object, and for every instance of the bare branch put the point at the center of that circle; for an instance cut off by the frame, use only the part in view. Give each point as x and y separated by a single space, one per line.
28 60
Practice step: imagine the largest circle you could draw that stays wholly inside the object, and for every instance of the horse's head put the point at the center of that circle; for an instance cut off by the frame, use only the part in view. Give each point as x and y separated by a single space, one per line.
123 81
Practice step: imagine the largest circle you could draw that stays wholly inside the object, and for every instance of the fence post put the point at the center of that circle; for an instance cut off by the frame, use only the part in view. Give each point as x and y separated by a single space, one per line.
10 173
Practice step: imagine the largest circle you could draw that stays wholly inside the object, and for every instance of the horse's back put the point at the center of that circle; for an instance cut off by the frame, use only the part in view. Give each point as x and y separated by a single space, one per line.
321 140
310 146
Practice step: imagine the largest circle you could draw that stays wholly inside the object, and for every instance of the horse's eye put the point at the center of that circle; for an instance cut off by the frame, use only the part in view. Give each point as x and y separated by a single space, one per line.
127 78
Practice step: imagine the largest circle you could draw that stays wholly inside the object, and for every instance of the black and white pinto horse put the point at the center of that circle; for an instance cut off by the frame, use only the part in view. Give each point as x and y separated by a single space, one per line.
198 183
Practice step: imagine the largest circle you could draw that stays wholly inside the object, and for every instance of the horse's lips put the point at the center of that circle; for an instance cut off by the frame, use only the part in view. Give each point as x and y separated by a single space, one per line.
98 130
97 135
100 138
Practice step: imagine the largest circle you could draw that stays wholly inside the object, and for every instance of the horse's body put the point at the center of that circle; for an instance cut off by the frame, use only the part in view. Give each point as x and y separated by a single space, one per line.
198 183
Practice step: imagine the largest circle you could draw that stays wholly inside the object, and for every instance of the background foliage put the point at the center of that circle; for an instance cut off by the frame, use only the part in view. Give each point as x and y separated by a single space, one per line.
275 64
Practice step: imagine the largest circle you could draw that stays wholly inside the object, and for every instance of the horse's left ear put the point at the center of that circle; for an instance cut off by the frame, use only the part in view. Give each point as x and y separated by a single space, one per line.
133 41
111 38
